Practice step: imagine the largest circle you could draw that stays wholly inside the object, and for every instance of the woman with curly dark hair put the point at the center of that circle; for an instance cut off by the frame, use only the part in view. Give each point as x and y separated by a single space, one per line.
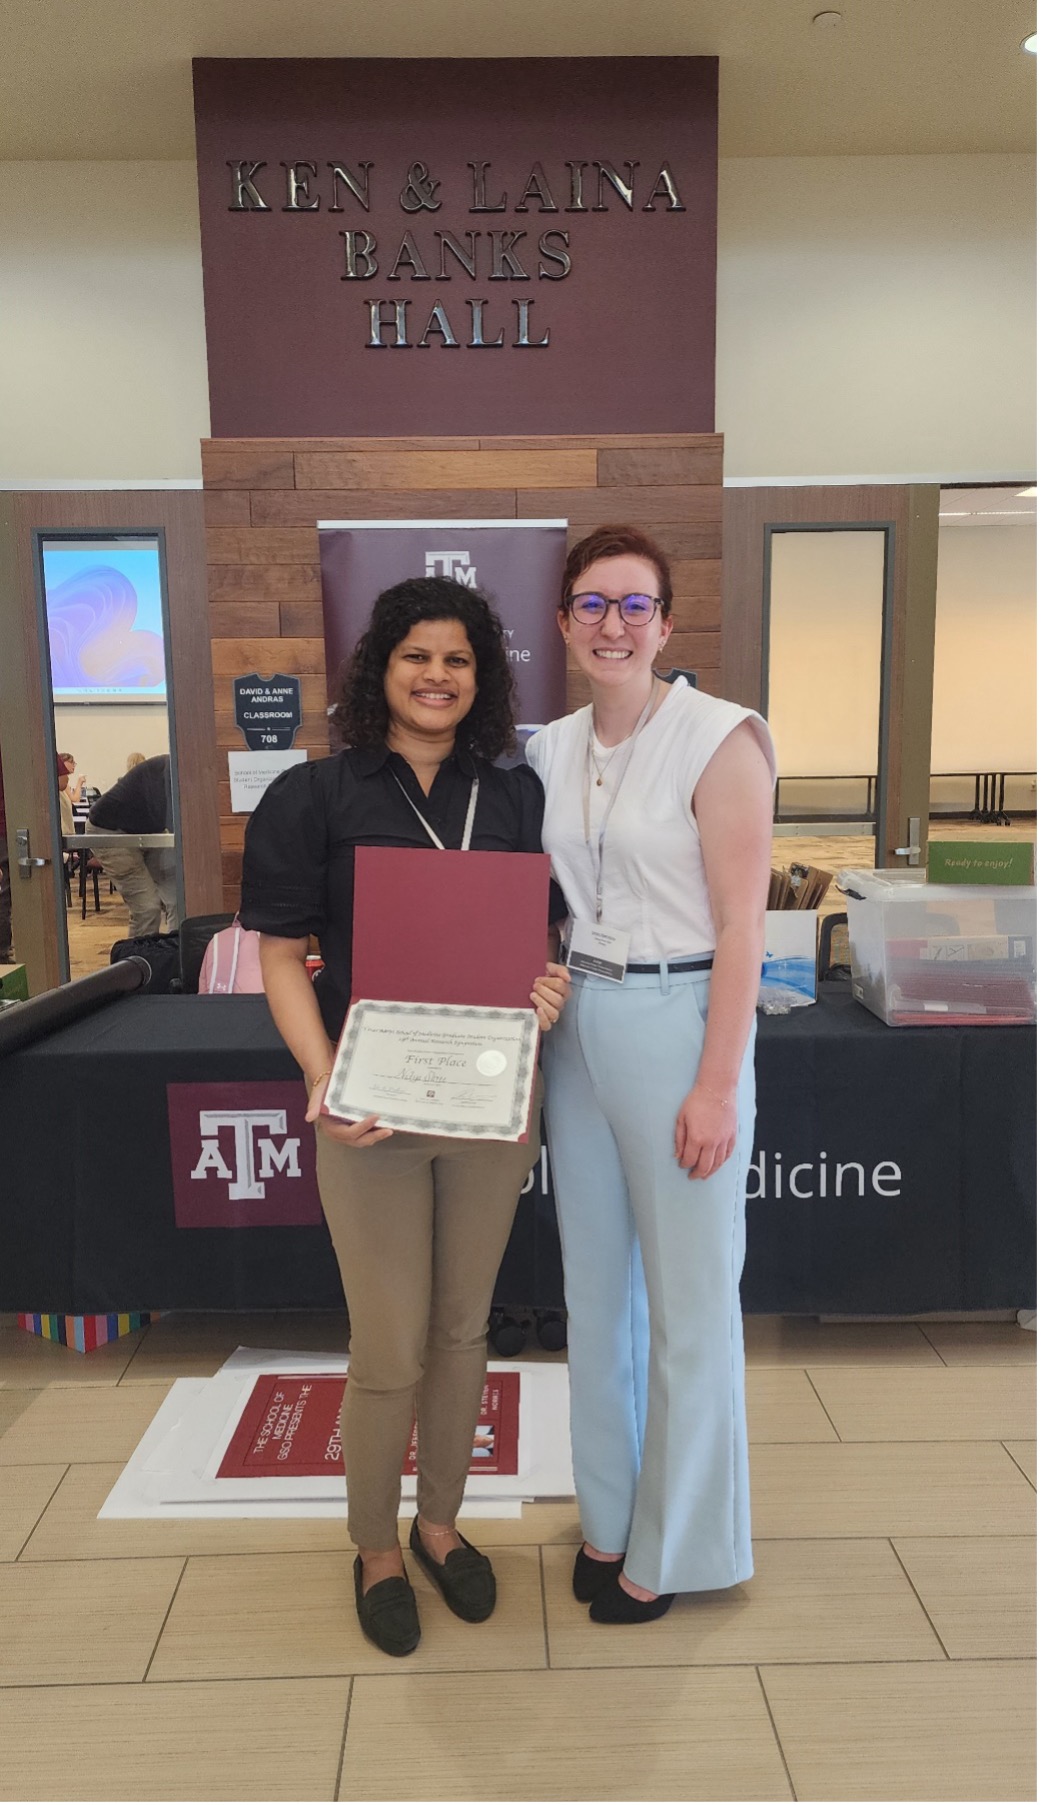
361 716
419 1222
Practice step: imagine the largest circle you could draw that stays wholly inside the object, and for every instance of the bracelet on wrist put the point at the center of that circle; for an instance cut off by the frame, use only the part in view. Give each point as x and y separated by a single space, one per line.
318 1081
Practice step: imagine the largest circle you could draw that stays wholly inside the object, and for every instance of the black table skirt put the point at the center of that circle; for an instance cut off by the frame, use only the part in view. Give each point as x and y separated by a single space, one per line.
933 1208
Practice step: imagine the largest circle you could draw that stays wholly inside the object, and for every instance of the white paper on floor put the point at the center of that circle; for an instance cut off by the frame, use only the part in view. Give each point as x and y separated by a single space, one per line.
173 1470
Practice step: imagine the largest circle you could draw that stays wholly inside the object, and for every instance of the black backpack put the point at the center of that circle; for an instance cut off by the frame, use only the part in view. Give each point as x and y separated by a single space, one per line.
161 953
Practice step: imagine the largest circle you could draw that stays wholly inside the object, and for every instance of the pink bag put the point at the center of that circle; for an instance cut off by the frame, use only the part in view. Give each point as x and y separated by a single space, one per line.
231 963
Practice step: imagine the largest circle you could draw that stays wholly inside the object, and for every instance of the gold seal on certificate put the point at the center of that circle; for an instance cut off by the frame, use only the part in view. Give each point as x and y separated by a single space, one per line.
437 1068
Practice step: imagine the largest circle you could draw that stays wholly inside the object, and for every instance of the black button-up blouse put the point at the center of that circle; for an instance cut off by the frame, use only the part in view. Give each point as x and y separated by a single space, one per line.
298 866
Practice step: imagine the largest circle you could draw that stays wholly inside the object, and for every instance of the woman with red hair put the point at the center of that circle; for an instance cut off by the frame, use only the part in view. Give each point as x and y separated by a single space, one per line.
658 819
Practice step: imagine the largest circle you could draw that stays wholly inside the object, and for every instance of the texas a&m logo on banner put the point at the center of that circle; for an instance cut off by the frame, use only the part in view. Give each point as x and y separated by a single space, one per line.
456 566
242 1156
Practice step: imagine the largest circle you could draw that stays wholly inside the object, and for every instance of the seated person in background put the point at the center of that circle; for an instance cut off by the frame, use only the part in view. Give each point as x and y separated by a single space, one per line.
141 803
68 819
76 784
134 758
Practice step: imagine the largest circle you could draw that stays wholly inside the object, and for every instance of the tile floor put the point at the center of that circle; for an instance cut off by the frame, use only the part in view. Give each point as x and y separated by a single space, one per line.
884 1649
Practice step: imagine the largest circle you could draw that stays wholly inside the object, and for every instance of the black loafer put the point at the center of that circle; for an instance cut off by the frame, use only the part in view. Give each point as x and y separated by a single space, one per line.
590 1577
387 1613
464 1579
613 1605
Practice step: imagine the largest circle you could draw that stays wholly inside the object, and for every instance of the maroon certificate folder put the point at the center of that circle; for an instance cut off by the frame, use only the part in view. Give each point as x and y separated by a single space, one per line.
449 927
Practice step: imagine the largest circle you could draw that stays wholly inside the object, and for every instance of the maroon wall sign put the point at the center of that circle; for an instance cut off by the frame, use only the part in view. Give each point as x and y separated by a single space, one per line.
394 247
518 563
242 1155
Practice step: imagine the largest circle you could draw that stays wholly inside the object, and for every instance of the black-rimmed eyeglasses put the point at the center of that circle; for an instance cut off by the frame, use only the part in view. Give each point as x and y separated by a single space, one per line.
590 608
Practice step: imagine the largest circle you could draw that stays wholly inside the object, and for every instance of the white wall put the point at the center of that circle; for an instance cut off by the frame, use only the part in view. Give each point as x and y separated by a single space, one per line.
876 318
102 352
101 735
985 684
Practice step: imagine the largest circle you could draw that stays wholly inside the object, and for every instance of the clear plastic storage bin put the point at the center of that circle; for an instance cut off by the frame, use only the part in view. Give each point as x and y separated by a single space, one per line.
924 954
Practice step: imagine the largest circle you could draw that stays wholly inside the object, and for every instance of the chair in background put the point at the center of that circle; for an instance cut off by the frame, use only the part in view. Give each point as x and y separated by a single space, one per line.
90 867
833 954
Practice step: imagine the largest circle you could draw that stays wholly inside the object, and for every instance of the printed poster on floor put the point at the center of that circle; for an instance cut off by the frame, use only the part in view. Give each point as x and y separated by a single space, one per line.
291 1428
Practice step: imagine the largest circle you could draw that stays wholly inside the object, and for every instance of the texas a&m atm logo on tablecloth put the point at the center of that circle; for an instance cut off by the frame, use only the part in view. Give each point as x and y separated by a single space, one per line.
242 1156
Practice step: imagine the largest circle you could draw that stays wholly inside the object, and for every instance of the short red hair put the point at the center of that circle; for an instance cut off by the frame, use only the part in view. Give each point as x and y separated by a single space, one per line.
616 542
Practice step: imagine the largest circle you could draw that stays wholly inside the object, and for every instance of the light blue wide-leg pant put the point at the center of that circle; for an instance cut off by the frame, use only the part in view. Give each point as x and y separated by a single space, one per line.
652 1263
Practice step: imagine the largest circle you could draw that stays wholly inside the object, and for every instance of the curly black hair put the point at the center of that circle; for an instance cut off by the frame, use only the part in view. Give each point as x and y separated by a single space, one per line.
360 715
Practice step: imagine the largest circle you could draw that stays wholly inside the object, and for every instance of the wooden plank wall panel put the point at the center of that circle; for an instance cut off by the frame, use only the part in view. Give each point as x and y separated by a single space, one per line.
263 498
293 508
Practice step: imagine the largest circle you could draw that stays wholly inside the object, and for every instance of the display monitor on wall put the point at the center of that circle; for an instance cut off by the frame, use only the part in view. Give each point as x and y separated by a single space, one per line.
103 602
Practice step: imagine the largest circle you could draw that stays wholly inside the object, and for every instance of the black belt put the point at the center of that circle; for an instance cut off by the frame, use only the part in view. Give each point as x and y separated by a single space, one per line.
682 965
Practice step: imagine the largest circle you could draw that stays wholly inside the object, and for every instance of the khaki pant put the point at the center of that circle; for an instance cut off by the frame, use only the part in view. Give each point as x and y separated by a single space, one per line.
147 882
420 1224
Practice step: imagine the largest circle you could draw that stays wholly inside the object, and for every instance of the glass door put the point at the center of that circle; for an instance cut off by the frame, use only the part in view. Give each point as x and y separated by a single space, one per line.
104 636
824 631
829 610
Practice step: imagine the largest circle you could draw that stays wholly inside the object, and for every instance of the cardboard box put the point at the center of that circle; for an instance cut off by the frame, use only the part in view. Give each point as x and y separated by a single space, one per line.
789 978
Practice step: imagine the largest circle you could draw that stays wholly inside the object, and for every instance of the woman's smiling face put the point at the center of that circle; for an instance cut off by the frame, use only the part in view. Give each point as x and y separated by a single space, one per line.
612 653
431 678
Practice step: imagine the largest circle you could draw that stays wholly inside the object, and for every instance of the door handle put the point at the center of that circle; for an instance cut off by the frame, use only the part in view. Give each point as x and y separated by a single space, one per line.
913 852
26 863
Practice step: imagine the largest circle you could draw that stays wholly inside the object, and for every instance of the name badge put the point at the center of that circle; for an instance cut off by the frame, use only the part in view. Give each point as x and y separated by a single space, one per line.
598 949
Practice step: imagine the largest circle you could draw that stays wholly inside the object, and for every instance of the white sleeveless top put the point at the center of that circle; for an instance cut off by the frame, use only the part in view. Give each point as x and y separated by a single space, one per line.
654 876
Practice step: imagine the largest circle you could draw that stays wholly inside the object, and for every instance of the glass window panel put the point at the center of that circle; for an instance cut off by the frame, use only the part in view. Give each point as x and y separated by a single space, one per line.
985 672
827 591
104 621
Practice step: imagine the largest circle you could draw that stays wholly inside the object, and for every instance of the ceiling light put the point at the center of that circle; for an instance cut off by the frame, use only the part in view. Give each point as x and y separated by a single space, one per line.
982 513
1030 43
826 20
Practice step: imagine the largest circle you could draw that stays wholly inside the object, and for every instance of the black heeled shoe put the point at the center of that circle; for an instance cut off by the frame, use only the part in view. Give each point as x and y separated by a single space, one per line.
387 1612
590 1577
614 1605
464 1578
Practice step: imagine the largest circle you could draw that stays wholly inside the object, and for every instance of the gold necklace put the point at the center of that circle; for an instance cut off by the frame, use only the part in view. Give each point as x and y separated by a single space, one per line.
601 769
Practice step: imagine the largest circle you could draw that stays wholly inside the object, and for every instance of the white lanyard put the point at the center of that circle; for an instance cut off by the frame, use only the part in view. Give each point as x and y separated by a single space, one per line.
597 854
470 813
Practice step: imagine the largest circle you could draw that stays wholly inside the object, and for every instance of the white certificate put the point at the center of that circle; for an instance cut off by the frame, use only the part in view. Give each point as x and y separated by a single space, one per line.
437 1068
